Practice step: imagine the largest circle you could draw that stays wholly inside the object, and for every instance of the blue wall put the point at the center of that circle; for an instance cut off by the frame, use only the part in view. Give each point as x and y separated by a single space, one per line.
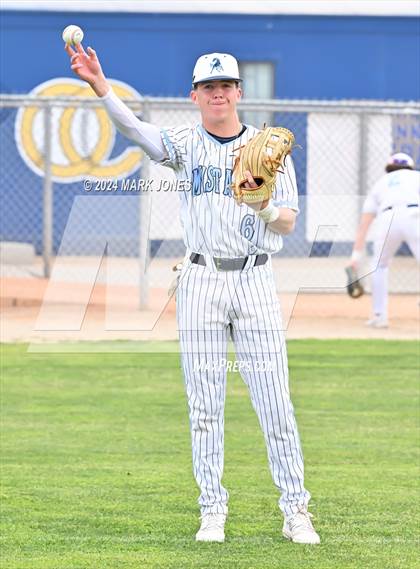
314 57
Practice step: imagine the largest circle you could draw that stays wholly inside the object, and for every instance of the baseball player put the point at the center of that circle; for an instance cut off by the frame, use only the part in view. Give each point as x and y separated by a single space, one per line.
394 203
226 286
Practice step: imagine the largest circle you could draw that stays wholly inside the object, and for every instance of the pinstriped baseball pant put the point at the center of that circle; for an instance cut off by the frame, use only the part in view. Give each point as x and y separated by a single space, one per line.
210 305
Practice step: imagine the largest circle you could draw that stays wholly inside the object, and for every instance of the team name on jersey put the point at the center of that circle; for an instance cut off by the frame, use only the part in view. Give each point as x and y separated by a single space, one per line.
207 179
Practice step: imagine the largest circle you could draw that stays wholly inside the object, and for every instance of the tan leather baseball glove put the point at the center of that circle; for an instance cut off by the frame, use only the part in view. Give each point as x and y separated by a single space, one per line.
264 155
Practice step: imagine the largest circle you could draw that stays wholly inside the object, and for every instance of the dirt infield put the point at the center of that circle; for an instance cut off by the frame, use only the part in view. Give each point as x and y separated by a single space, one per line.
34 310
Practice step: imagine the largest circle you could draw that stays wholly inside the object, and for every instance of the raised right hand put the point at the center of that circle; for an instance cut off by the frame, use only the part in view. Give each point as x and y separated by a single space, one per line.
86 66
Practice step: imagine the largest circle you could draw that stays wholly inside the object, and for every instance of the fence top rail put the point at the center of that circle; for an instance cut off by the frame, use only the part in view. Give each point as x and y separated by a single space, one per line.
170 103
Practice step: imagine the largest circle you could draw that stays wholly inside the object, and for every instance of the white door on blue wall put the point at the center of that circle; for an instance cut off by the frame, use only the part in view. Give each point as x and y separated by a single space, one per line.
258 83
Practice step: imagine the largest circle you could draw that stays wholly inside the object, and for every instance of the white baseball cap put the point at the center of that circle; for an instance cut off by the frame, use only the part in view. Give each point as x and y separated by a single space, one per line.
215 66
401 159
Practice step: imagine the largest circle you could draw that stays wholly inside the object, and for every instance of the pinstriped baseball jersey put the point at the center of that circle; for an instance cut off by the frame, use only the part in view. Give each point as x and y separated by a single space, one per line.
210 309
213 222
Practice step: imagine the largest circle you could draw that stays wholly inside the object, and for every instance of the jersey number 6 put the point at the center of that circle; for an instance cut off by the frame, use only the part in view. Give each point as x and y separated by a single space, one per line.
247 226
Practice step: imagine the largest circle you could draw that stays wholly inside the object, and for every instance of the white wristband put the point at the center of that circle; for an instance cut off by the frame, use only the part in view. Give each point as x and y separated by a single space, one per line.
356 256
269 213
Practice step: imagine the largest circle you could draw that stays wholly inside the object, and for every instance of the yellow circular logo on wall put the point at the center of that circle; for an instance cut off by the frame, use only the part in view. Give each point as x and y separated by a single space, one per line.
82 139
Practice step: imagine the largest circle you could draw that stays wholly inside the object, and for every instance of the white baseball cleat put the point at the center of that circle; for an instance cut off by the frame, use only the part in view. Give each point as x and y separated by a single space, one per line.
212 528
299 529
377 322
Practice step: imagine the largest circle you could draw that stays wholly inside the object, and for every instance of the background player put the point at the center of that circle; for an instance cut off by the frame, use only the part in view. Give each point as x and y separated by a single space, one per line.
226 286
394 202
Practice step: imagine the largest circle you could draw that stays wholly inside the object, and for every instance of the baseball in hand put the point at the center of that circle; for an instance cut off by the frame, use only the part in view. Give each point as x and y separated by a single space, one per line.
72 34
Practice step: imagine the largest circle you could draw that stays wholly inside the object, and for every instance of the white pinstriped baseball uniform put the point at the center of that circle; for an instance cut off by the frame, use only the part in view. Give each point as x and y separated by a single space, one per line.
213 303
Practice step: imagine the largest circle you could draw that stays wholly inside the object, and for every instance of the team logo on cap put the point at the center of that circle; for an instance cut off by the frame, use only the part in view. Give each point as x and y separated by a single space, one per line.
216 65
401 160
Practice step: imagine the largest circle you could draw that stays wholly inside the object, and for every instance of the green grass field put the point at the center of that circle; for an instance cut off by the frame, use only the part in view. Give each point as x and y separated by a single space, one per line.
96 467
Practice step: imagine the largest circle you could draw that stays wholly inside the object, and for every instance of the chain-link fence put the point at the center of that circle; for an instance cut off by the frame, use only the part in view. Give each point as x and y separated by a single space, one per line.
73 187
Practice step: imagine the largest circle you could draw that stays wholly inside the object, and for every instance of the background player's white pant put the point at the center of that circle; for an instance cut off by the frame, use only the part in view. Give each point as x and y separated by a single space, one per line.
210 305
393 227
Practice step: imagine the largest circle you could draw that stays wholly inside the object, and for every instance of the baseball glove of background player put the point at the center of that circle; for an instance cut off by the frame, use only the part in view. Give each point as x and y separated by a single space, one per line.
264 155
354 286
